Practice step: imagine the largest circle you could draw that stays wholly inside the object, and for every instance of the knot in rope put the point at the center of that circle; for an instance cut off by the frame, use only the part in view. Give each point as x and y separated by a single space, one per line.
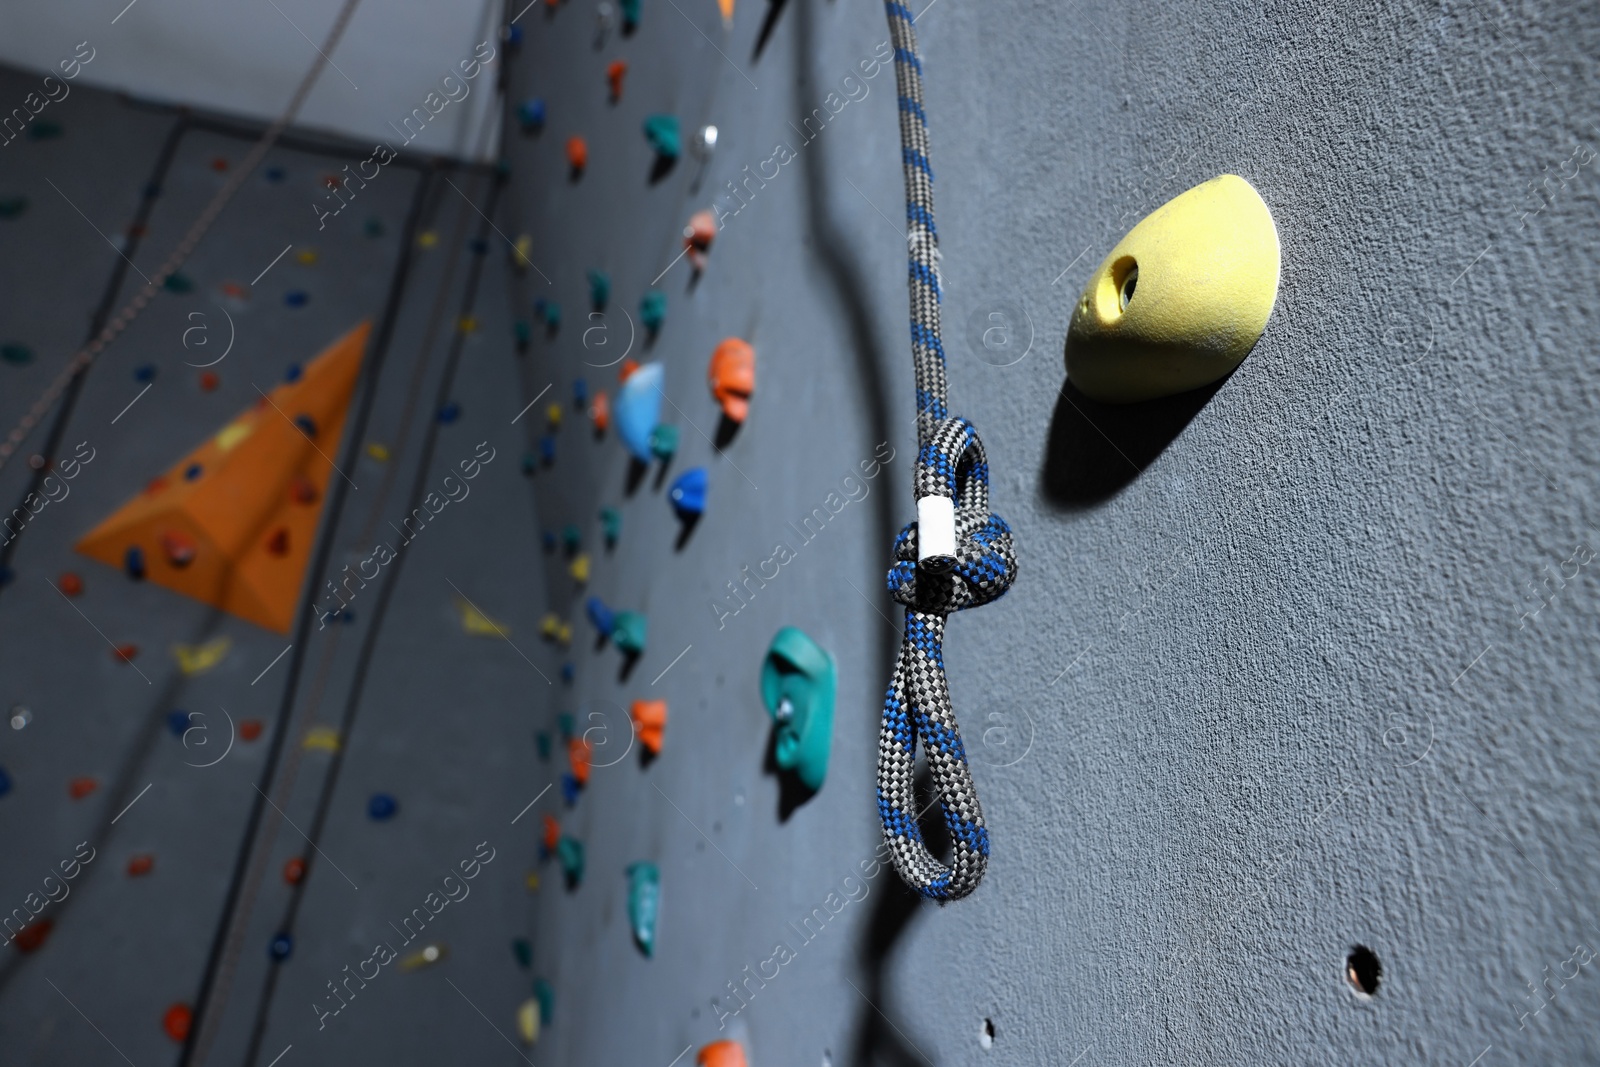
951 466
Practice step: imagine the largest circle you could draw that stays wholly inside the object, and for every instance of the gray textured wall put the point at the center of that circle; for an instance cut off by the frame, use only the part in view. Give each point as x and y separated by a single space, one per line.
1280 687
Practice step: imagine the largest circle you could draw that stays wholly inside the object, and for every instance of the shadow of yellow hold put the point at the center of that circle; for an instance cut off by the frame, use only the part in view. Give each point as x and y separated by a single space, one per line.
1181 300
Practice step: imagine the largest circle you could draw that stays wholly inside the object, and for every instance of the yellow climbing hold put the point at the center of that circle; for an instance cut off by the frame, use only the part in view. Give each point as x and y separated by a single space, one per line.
531 881
307 256
477 623
426 956
580 568
232 434
467 324
197 659
524 252
321 738
564 634
378 452
549 626
1181 300
528 1021
427 239
552 415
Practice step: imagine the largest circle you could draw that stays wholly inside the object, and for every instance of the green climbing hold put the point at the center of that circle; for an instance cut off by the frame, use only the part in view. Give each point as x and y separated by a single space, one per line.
628 631
662 133
13 207
21 355
644 903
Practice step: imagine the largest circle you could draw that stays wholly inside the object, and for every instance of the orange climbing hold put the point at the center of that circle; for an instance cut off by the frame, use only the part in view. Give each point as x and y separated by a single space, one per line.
650 723
579 755
625 371
614 74
294 870
697 238
79 788
31 937
721 1054
600 412
70 584
577 153
552 833
125 653
217 512
249 729
733 377
209 381
140 865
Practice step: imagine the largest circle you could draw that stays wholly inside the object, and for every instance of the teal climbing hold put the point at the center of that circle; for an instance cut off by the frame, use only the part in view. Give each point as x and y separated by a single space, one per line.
797 686
644 904
599 288
20 355
662 133
546 996
664 441
628 632
564 726
653 310
523 951
569 850
178 283
638 409
523 334
611 525
542 741
571 537
45 130
630 14
13 206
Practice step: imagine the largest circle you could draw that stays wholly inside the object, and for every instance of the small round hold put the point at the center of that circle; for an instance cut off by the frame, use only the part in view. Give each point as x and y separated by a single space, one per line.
133 562
294 870
192 471
450 413
176 1022
275 174
293 372
209 381
145 372
381 807
249 729
705 141
307 425
219 164
178 722
140 864
20 716
303 491
296 298
281 946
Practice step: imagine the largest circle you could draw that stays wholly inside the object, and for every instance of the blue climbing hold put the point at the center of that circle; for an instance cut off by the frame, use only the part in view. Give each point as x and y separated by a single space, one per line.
547 449
450 413
688 493
5 782
281 946
548 539
276 174
653 310
580 392
568 673
638 409
145 372
193 471
293 372
514 35
569 789
478 246
133 562
530 113
382 807
178 722
604 619
296 298
307 425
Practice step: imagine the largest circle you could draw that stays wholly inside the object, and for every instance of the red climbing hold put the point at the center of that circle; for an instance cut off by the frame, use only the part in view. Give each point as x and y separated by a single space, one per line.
125 653
176 1022
30 937
178 546
249 729
140 865
697 238
70 584
156 484
278 542
625 371
82 787
577 153
552 833
304 491
614 74
600 412
294 870
209 381
219 164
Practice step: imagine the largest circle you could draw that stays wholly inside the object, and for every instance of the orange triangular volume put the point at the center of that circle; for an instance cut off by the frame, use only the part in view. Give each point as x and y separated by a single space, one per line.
231 524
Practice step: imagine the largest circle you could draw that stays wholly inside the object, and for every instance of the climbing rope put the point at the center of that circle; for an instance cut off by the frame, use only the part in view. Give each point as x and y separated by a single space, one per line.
956 555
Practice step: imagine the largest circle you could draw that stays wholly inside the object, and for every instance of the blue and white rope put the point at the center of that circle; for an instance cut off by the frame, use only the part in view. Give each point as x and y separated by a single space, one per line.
956 555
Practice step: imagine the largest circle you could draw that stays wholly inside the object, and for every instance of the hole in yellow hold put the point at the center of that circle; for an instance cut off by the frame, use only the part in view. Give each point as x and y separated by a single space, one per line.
1116 289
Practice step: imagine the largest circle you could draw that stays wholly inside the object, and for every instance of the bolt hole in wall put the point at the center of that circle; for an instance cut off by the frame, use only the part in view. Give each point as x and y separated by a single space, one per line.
986 1035
1363 970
